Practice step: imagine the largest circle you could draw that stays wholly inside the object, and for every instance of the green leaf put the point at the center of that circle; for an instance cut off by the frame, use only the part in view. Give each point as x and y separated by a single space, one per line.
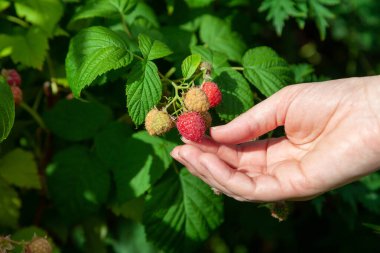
132 209
280 11
29 49
7 109
152 50
93 52
142 10
321 14
216 59
78 183
190 65
180 213
198 3
218 36
237 95
4 5
19 167
43 13
103 8
143 90
10 205
139 169
75 120
302 72
266 70
372 181
27 234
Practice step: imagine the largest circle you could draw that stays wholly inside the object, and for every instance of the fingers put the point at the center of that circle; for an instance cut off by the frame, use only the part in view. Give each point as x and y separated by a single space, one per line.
257 121
231 182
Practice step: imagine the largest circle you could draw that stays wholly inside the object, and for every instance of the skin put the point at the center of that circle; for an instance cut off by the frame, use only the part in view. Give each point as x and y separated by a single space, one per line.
332 138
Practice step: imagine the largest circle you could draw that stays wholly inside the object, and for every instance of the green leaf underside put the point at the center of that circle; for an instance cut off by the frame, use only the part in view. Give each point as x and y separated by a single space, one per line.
152 50
93 52
18 167
237 95
218 36
75 120
190 65
77 182
7 109
280 11
143 90
142 160
10 205
103 8
43 13
181 212
266 70
29 49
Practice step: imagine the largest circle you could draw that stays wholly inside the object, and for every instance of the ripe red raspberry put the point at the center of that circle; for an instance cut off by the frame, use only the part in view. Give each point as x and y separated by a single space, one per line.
213 93
12 76
191 125
196 100
158 122
17 94
38 245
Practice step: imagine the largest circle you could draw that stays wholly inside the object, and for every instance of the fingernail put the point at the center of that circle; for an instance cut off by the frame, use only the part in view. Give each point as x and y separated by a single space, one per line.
183 139
174 154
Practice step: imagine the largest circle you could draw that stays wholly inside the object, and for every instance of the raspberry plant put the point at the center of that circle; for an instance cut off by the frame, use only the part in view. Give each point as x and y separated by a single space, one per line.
85 139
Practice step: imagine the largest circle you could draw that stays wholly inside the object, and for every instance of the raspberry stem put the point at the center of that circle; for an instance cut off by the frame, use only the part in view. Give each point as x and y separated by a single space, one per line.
34 114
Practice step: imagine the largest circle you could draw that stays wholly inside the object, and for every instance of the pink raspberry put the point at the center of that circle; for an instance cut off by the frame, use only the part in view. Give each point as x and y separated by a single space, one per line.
191 125
213 93
17 94
12 76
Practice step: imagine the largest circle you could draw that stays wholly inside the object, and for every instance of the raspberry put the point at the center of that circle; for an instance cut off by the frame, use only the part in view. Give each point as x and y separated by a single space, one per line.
196 100
158 122
12 76
191 125
207 118
214 95
279 210
38 245
17 94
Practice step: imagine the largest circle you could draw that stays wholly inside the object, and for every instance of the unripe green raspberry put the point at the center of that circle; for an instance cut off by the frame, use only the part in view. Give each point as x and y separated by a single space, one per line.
158 122
38 245
196 100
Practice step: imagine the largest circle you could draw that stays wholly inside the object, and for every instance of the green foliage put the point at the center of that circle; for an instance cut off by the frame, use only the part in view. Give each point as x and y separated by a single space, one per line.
84 170
7 110
266 70
187 212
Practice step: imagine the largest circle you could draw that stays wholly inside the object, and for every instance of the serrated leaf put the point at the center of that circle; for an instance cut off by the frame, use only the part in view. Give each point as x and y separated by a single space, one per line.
43 13
144 161
190 65
237 95
76 120
18 167
180 213
7 109
218 36
321 14
142 10
10 205
77 182
280 11
93 52
29 48
103 8
144 90
152 50
267 71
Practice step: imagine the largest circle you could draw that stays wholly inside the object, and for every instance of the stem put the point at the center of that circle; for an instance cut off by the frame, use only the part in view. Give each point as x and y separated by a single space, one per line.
238 68
34 114
125 26
17 20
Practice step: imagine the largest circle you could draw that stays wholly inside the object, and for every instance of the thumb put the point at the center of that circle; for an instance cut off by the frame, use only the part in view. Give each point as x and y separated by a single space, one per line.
260 119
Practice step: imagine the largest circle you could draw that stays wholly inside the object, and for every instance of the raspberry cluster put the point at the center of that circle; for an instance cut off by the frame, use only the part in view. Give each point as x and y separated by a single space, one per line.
14 81
190 112
38 245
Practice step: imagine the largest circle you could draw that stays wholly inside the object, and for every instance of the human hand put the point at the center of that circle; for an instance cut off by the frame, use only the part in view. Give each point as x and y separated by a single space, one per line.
332 138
